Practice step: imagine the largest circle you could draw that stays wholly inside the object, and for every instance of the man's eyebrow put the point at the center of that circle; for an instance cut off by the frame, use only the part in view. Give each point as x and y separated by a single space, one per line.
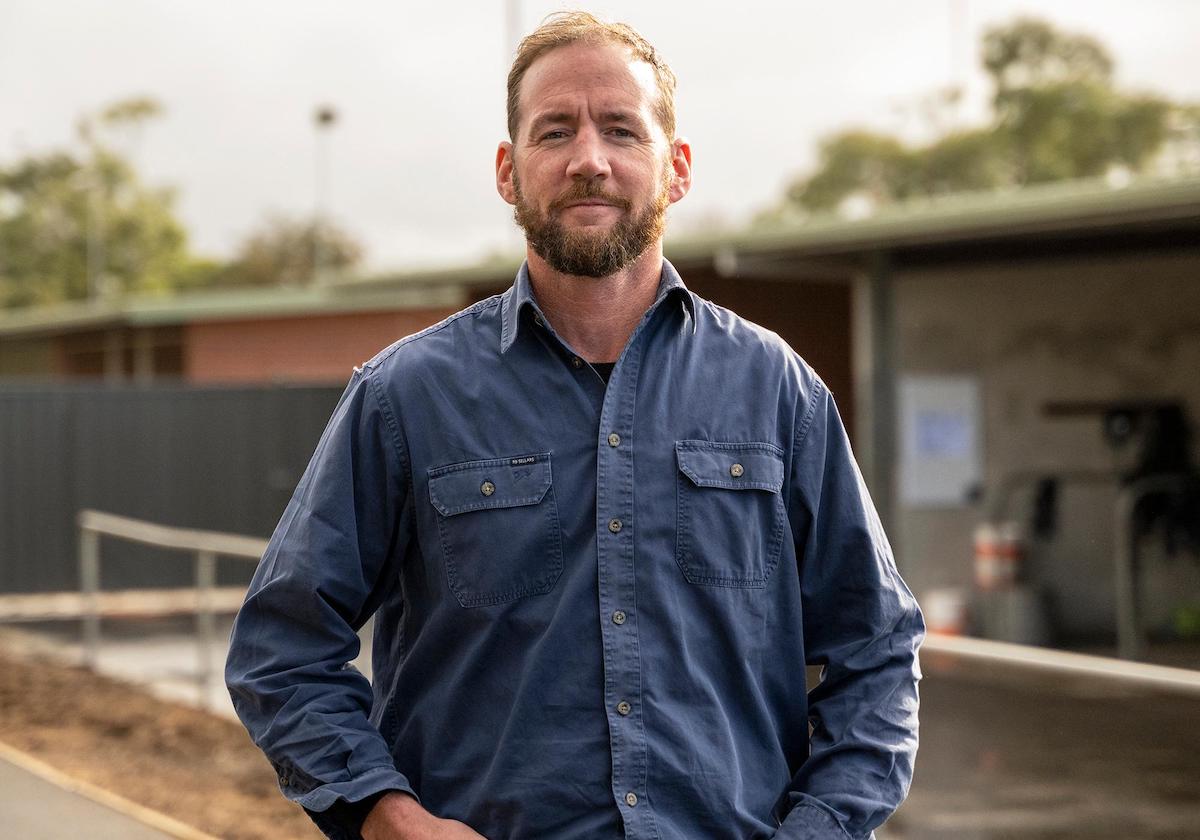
549 118
628 117
554 117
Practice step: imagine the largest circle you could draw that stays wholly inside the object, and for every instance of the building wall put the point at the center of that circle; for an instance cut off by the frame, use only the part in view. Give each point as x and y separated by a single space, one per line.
1079 329
118 353
315 348
27 357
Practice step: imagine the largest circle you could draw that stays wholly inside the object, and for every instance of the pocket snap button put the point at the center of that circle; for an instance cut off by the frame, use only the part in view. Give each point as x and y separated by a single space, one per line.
736 470
487 488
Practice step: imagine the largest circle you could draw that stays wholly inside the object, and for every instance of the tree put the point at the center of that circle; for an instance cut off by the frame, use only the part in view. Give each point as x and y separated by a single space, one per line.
81 224
1055 115
74 225
285 251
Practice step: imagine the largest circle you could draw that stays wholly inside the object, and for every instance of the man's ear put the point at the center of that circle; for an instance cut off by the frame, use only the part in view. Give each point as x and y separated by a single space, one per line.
504 172
681 162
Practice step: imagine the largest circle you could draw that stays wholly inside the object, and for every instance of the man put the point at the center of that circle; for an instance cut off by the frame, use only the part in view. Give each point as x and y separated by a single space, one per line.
602 525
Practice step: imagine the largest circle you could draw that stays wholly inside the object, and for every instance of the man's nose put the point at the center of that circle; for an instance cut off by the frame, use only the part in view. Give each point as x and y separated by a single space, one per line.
588 157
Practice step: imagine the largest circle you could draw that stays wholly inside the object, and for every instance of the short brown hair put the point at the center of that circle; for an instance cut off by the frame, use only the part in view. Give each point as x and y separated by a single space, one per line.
564 28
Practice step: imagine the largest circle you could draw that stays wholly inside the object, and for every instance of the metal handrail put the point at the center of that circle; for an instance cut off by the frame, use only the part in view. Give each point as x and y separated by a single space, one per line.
207 545
1061 662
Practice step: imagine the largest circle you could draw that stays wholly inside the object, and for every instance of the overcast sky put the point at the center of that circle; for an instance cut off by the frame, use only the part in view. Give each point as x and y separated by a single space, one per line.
420 91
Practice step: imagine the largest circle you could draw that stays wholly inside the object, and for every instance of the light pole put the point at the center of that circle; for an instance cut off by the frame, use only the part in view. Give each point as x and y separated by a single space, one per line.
324 118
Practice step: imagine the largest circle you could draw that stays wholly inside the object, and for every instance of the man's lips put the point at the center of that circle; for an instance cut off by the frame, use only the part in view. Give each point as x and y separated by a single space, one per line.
566 202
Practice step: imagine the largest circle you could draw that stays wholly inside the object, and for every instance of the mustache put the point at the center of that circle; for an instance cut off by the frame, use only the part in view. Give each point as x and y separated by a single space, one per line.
582 191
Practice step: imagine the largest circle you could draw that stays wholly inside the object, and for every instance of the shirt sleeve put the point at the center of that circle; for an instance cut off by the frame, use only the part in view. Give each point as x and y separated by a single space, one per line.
863 626
331 560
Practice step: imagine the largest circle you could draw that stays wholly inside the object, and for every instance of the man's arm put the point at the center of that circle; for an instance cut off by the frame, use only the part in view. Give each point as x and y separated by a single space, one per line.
863 625
332 559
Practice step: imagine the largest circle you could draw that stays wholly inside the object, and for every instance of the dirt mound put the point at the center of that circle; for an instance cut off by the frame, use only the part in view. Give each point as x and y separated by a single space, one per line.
194 766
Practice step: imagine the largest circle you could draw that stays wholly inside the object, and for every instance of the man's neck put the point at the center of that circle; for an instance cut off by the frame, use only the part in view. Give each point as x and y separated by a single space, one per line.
596 315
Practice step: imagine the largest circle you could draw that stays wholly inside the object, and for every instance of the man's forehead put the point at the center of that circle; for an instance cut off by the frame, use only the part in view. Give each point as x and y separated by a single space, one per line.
607 70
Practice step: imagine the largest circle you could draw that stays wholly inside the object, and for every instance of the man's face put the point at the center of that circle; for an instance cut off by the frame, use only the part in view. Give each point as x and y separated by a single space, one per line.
591 172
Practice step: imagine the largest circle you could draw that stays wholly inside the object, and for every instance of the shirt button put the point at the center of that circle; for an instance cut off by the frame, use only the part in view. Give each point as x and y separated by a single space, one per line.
631 799
487 488
614 440
539 320
576 362
624 708
618 617
736 470
614 525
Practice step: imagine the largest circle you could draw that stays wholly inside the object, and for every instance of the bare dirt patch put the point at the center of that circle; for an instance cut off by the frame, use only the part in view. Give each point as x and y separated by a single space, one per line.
194 766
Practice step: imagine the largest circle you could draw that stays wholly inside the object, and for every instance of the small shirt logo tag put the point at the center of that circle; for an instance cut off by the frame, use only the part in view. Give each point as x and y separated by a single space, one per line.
517 462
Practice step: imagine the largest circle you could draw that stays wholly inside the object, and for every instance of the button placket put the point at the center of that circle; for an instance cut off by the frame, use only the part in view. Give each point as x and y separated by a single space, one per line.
617 582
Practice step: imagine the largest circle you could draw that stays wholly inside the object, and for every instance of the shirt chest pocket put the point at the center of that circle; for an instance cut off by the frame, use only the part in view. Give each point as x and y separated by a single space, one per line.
498 525
730 513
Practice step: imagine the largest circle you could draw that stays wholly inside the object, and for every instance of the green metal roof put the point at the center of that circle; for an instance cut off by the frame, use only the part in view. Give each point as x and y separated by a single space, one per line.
225 304
1044 210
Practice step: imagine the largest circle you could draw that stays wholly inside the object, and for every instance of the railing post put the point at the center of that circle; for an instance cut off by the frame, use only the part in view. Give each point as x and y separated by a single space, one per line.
89 586
206 630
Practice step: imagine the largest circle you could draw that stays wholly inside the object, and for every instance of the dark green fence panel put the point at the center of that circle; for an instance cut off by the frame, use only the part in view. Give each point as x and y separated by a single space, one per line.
225 459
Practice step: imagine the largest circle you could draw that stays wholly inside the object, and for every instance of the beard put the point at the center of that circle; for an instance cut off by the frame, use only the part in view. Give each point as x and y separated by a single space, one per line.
592 253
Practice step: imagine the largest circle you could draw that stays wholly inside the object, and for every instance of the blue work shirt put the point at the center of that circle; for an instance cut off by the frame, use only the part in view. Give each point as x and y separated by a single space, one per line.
593 605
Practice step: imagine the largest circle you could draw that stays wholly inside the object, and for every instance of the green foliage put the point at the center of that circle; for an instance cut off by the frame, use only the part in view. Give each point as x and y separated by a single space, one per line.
62 214
1055 115
284 252
874 163
81 224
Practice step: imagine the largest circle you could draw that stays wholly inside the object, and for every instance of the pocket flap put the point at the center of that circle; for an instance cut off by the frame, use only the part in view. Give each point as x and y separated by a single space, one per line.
733 466
494 483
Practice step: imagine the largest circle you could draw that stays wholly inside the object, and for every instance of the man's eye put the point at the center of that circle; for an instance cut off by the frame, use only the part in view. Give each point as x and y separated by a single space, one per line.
622 132
557 134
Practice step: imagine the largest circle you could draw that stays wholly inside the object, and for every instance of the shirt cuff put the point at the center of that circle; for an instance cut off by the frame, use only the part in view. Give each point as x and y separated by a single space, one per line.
810 822
348 817
319 800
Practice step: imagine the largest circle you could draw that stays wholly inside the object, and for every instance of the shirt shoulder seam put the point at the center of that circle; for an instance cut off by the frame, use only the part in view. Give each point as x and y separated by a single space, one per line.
810 412
473 309
389 416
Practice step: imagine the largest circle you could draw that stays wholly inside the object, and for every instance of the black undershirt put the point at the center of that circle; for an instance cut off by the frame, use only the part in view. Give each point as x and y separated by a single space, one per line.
605 369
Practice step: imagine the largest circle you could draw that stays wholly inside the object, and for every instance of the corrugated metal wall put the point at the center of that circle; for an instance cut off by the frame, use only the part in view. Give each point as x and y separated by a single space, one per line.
220 458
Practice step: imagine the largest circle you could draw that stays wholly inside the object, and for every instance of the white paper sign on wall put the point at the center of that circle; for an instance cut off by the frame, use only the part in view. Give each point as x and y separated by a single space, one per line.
940 440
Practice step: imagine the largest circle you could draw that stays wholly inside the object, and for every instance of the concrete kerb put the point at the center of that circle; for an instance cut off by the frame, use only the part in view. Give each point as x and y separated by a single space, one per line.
147 816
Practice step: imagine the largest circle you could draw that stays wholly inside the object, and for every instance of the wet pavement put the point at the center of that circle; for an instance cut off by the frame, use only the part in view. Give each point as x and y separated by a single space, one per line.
1009 754
1005 752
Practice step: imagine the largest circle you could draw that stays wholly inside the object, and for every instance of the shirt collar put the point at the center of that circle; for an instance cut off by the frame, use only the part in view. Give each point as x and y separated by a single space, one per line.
520 295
